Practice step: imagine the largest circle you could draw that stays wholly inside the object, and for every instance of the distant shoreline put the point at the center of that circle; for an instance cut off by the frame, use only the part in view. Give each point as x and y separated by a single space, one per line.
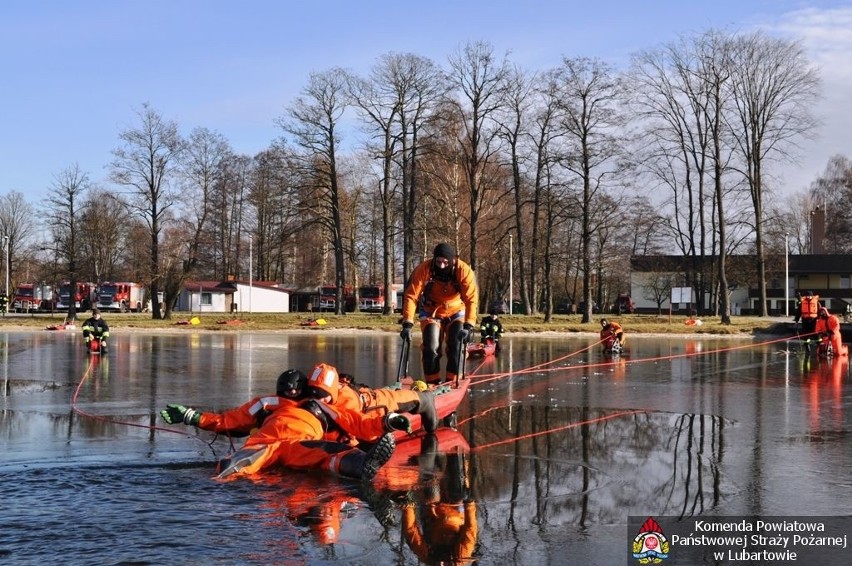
182 329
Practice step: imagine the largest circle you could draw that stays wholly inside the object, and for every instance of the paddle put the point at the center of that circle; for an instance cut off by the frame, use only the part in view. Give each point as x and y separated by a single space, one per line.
402 369
461 361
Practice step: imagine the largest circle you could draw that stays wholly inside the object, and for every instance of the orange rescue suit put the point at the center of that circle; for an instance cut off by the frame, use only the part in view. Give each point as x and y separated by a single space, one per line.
442 300
450 530
830 326
292 436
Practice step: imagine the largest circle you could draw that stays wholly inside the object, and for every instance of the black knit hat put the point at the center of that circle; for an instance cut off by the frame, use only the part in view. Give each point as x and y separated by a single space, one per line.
444 250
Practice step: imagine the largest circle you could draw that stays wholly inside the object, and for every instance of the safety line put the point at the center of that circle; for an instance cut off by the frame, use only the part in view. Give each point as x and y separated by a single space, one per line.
619 361
535 368
557 429
81 412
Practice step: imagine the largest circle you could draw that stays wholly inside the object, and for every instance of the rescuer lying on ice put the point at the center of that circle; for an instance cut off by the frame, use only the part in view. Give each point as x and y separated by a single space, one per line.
828 328
356 395
294 426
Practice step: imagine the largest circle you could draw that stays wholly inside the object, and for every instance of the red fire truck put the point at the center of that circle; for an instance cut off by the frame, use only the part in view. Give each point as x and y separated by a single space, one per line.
372 297
85 296
33 297
121 297
327 299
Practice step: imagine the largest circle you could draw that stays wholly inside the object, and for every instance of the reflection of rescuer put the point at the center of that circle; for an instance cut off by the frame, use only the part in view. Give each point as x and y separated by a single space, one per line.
295 425
441 527
445 289
96 327
314 504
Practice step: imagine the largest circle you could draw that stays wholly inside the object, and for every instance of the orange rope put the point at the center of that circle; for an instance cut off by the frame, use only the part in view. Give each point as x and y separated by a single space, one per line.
557 429
81 412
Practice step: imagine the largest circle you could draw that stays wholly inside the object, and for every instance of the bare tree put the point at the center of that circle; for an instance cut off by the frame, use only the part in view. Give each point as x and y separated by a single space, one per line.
17 233
65 220
103 236
518 124
834 186
773 87
479 79
378 102
313 122
420 86
145 165
200 168
546 139
591 94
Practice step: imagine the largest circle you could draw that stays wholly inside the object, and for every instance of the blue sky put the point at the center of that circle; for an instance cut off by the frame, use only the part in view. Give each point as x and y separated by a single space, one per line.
73 74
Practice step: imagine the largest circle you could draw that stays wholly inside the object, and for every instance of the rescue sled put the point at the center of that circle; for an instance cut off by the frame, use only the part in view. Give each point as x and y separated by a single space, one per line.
94 346
482 349
448 395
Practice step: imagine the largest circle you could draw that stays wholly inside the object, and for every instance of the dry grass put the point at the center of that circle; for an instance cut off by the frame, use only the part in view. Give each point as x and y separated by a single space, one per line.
640 324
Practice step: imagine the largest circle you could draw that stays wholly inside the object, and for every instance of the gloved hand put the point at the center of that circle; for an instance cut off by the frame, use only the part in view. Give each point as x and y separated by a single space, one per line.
174 414
406 330
395 421
466 332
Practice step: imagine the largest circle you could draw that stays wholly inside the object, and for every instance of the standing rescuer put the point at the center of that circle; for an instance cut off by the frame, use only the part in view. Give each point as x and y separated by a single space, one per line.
809 310
445 289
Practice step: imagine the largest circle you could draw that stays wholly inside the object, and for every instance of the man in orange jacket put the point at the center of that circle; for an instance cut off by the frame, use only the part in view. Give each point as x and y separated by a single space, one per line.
614 330
445 289
292 430
828 328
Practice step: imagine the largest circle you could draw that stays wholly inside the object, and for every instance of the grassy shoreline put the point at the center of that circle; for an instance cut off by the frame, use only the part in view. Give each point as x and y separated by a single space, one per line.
263 322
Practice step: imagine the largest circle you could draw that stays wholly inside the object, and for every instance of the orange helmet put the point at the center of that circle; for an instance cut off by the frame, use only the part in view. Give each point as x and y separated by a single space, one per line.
324 382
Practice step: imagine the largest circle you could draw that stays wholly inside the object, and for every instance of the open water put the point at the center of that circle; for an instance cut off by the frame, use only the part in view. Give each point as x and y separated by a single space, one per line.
557 445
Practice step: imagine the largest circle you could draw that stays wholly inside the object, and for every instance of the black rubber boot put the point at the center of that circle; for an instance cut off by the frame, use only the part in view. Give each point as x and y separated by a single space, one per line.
365 465
425 407
426 410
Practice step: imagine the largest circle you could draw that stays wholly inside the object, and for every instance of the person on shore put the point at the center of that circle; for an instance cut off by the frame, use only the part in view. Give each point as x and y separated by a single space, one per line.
491 328
798 314
444 291
95 327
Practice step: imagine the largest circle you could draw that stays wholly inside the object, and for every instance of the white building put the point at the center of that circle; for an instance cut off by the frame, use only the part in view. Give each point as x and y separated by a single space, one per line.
232 296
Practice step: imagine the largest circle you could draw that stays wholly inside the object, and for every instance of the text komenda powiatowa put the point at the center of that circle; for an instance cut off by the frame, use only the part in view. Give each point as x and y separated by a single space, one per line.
769 536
